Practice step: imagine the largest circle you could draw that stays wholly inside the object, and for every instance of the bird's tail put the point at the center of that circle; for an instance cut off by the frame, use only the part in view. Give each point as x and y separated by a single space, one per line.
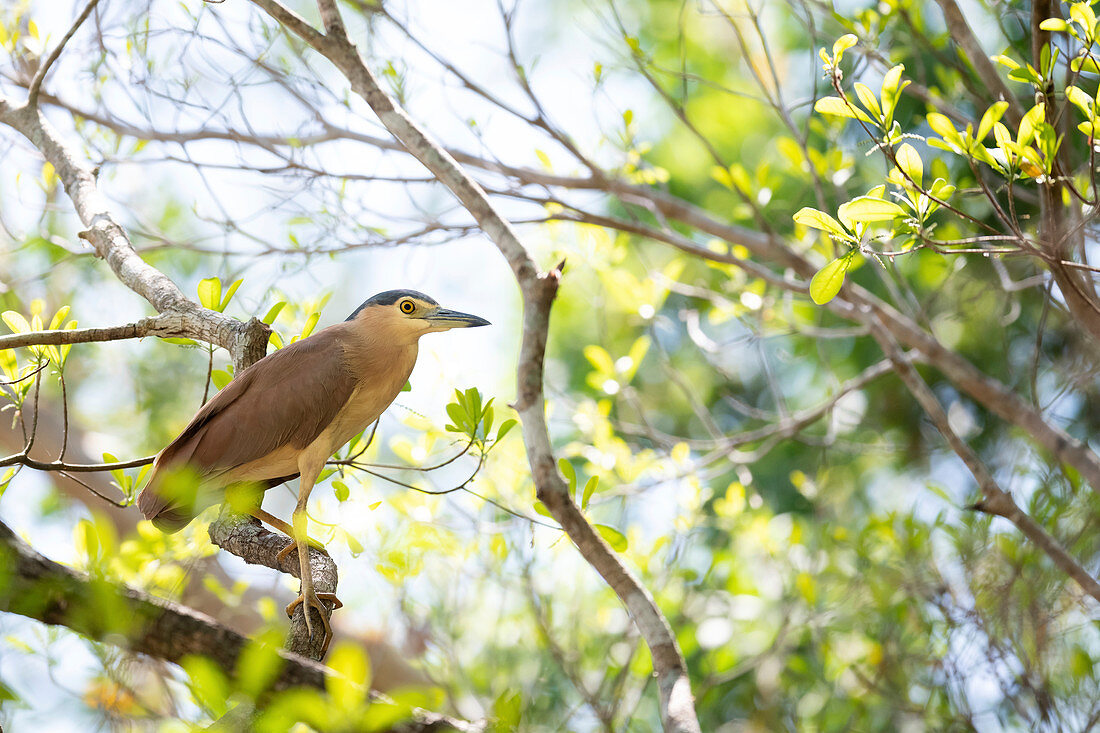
171 498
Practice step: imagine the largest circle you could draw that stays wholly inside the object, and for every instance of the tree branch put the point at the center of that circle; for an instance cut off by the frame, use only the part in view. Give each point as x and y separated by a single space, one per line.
38 588
41 589
246 538
40 75
246 342
165 326
995 500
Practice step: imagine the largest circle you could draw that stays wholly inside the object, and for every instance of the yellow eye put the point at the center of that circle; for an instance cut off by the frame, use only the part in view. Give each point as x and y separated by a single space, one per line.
407 306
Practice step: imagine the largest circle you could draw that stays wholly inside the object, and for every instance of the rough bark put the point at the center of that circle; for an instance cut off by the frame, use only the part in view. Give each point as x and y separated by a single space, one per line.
34 586
39 588
246 342
246 538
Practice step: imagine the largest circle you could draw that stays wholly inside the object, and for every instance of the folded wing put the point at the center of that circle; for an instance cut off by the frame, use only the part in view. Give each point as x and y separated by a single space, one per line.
285 399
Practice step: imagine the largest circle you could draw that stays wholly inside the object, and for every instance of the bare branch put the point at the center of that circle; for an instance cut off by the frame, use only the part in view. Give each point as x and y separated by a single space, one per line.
165 326
40 75
246 342
23 459
995 500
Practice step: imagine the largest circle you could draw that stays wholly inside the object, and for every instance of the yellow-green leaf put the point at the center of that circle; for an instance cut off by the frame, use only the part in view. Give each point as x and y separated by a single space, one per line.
990 118
826 283
910 163
811 217
16 322
599 358
865 208
229 294
348 687
839 108
210 292
868 100
613 537
842 44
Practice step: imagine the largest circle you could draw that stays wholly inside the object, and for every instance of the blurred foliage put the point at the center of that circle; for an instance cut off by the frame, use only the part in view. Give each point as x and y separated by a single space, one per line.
824 578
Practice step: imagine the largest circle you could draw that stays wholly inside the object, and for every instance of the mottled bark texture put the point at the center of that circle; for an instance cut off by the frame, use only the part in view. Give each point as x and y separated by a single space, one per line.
246 538
34 586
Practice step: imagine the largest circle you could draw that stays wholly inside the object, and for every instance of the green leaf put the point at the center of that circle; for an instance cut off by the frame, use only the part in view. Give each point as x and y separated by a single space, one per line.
991 117
210 293
1055 25
16 322
891 91
599 358
942 126
348 687
505 427
589 489
220 378
811 217
837 107
273 312
311 323
826 283
540 508
507 711
208 683
229 294
341 490
1086 64
59 318
408 386
458 416
613 537
868 100
842 44
570 474
910 163
1026 75
865 208
258 665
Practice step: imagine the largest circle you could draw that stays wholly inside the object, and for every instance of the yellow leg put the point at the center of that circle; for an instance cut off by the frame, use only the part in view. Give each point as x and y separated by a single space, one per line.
286 529
308 597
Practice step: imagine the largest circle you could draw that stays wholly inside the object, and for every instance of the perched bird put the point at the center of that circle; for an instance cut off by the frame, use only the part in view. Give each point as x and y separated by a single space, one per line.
285 416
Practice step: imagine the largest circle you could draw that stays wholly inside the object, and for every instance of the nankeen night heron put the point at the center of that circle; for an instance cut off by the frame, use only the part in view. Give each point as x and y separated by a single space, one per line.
286 415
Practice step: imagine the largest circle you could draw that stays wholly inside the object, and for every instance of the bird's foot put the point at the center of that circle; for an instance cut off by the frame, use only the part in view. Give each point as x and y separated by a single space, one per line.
313 600
282 554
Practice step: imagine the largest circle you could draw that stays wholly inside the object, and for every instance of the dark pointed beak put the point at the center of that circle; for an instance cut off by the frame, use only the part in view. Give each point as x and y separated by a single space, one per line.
446 318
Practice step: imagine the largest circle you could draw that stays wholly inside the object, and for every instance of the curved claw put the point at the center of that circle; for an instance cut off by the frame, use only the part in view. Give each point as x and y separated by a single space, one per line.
313 600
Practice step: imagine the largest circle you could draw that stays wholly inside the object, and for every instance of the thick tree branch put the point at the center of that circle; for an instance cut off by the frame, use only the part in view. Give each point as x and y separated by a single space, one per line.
166 326
41 589
246 538
246 342
995 500
38 588
677 707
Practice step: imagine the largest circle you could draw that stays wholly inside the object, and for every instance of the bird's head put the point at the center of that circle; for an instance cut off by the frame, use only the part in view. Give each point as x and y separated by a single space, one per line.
411 313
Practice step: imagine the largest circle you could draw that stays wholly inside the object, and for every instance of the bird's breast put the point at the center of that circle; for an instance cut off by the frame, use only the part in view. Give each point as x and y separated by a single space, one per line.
379 383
